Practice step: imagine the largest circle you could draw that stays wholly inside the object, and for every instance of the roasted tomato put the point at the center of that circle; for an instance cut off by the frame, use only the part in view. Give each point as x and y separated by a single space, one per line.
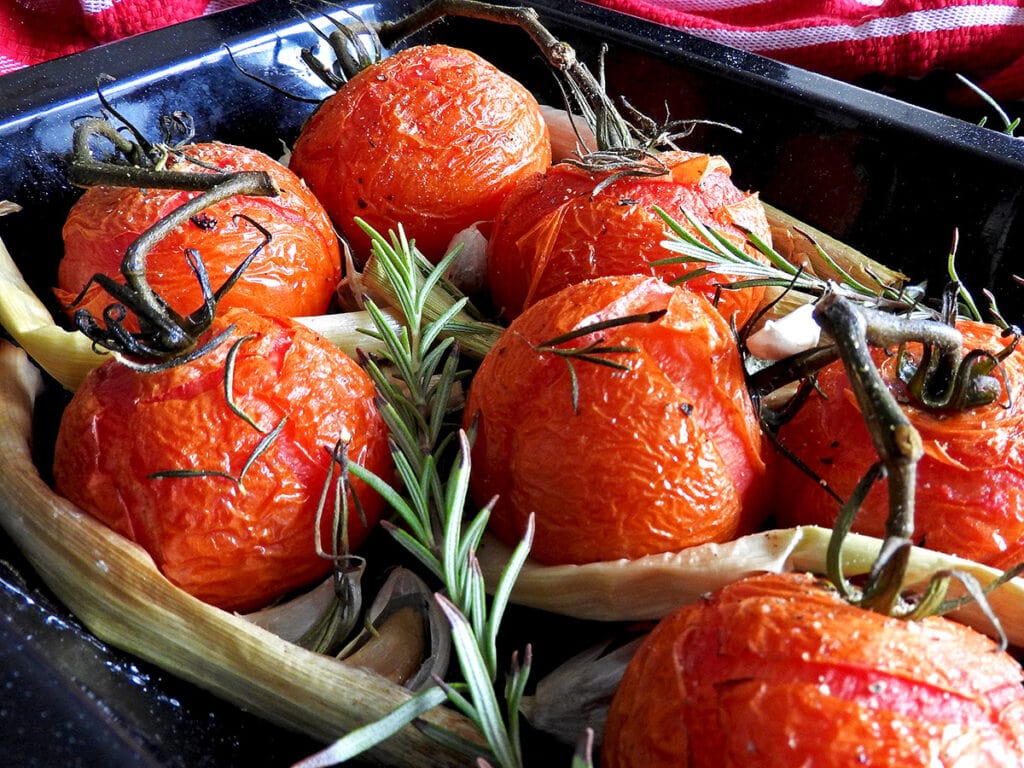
777 671
295 274
431 138
654 455
570 224
970 481
225 507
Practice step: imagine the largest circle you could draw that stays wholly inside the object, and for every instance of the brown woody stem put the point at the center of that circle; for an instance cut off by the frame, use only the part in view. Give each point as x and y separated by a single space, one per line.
895 439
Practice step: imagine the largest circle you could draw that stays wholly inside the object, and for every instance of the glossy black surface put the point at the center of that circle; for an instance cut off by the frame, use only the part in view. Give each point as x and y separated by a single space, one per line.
891 179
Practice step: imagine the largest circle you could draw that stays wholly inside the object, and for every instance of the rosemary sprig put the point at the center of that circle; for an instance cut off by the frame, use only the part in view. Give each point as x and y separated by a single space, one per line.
391 269
229 383
417 384
595 351
719 255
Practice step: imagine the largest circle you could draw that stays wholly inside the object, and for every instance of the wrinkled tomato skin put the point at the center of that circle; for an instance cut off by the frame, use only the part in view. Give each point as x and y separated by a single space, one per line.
236 545
658 457
557 229
777 671
296 274
432 138
970 481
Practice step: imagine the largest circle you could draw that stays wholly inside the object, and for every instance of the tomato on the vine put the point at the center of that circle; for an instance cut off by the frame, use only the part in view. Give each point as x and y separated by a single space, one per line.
660 452
295 274
970 481
777 670
432 138
218 475
572 224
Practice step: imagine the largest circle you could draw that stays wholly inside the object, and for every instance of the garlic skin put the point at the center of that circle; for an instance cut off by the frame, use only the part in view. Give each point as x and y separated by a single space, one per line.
321 618
468 271
407 638
565 142
576 694
651 587
788 335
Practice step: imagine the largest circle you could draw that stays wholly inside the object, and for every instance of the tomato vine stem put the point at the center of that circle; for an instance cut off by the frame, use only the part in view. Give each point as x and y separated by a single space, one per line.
854 329
895 439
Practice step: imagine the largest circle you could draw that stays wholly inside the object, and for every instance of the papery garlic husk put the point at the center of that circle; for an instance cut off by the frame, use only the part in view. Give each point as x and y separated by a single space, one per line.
468 271
576 695
651 587
571 137
321 619
348 330
407 639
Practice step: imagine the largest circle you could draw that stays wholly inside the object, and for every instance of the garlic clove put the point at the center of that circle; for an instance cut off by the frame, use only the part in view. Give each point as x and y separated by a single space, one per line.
576 694
407 639
320 619
571 137
788 335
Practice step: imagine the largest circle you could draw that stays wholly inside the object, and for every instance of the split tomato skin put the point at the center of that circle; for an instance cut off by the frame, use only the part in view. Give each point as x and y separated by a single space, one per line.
558 228
970 481
237 544
777 670
432 138
658 457
296 274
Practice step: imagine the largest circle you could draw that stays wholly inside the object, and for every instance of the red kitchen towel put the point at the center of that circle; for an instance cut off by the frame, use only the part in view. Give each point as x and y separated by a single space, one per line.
32 31
849 39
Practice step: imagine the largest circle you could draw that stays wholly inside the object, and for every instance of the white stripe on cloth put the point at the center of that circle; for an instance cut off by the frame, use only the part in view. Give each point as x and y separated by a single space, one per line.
915 22
8 65
702 6
97 6
223 5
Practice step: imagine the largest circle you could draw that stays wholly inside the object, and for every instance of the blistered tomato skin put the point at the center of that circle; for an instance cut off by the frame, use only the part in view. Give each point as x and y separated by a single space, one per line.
658 457
777 671
241 540
969 499
432 137
559 228
296 273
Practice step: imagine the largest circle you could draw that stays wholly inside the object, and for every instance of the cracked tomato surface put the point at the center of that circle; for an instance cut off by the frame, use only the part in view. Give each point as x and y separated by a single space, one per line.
649 447
219 476
570 224
969 498
777 671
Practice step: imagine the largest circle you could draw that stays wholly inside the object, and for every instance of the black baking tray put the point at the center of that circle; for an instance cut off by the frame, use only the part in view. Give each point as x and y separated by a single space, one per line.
889 178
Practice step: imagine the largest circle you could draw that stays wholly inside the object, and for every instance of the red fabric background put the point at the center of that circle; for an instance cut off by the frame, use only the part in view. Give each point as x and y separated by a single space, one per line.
848 39
32 31
982 39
